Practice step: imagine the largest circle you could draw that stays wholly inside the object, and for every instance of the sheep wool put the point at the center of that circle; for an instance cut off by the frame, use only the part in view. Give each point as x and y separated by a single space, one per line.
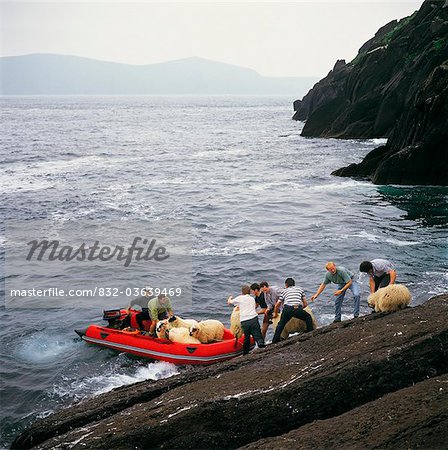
178 322
295 325
208 331
390 298
235 324
182 336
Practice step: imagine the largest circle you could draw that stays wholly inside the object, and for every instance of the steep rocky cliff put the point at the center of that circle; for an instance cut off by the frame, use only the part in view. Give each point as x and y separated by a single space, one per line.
396 87
361 383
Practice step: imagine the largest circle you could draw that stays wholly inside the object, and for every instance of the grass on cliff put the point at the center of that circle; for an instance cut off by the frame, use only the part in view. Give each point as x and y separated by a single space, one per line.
400 25
385 40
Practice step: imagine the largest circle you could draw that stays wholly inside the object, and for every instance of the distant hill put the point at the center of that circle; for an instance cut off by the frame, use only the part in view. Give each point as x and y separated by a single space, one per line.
64 75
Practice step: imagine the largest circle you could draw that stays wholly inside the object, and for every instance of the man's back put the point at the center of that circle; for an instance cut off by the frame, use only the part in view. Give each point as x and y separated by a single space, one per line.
247 307
292 296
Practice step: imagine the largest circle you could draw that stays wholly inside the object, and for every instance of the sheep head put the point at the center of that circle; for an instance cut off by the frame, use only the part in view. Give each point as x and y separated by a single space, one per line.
162 328
194 330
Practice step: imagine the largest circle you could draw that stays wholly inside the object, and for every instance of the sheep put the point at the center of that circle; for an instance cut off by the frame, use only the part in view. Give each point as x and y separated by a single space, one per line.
390 298
173 322
235 324
208 331
177 322
162 327
295 325
182 336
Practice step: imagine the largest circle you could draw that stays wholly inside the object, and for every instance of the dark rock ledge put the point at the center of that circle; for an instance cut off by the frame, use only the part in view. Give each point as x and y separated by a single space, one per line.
414 417
376 381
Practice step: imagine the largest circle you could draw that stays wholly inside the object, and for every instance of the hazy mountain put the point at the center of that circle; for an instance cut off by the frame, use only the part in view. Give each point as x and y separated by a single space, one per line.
60 74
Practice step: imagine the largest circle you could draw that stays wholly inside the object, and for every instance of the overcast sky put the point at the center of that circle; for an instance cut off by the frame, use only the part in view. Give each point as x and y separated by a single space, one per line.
274 38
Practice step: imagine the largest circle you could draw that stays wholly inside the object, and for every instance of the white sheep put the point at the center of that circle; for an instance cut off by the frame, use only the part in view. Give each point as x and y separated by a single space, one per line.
235 323
295 325
390 298
181 335
173 322
162 328
177 322
208 331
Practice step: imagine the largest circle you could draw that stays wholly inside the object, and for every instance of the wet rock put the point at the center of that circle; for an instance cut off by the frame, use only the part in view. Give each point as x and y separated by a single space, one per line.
414 417
315 376
396 87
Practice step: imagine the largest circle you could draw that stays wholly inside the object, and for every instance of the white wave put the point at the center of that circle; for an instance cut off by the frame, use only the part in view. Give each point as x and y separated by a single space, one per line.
153 371
326 319
72 215
237 248
378 141
24 177
63 166
337 186
374 238
399 243
43 347
14 183
113 378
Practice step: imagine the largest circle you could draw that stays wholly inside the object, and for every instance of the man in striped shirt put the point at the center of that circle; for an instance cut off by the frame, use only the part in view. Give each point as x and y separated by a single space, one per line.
293 299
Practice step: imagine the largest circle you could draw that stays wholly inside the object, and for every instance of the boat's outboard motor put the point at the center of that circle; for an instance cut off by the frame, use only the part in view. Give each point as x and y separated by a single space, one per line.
116 319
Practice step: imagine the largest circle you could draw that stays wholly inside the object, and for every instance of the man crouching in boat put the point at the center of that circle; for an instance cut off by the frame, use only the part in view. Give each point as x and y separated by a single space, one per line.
154 309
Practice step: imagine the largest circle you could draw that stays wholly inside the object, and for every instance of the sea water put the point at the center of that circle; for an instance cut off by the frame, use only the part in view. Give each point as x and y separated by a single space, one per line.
260 199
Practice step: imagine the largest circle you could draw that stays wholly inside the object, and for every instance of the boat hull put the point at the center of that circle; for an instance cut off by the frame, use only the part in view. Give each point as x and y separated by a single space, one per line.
139 344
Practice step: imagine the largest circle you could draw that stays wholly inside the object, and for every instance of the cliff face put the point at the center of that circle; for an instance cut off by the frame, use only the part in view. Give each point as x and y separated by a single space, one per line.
374 382
397 88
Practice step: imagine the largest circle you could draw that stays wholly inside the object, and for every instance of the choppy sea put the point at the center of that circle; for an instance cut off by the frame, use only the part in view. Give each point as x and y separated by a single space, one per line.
259 197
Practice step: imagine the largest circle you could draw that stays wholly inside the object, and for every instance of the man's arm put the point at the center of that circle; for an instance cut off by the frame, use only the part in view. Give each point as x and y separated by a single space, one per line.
230 300
276 308
134 302
304 302
152 326
372 285
393 276
169 308
340 291
318 292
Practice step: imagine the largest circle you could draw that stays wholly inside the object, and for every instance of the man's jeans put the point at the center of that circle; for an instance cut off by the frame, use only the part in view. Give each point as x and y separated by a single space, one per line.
354 287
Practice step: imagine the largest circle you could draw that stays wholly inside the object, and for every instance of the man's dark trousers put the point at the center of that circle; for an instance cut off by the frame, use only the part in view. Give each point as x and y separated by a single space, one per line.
141 316
287 314
144 315
250 328
381 281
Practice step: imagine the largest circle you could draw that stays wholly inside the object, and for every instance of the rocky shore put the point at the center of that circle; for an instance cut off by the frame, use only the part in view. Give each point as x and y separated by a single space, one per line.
395 88
379 381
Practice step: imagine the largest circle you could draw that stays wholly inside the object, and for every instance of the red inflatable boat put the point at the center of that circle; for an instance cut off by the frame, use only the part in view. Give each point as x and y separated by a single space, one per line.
141 344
